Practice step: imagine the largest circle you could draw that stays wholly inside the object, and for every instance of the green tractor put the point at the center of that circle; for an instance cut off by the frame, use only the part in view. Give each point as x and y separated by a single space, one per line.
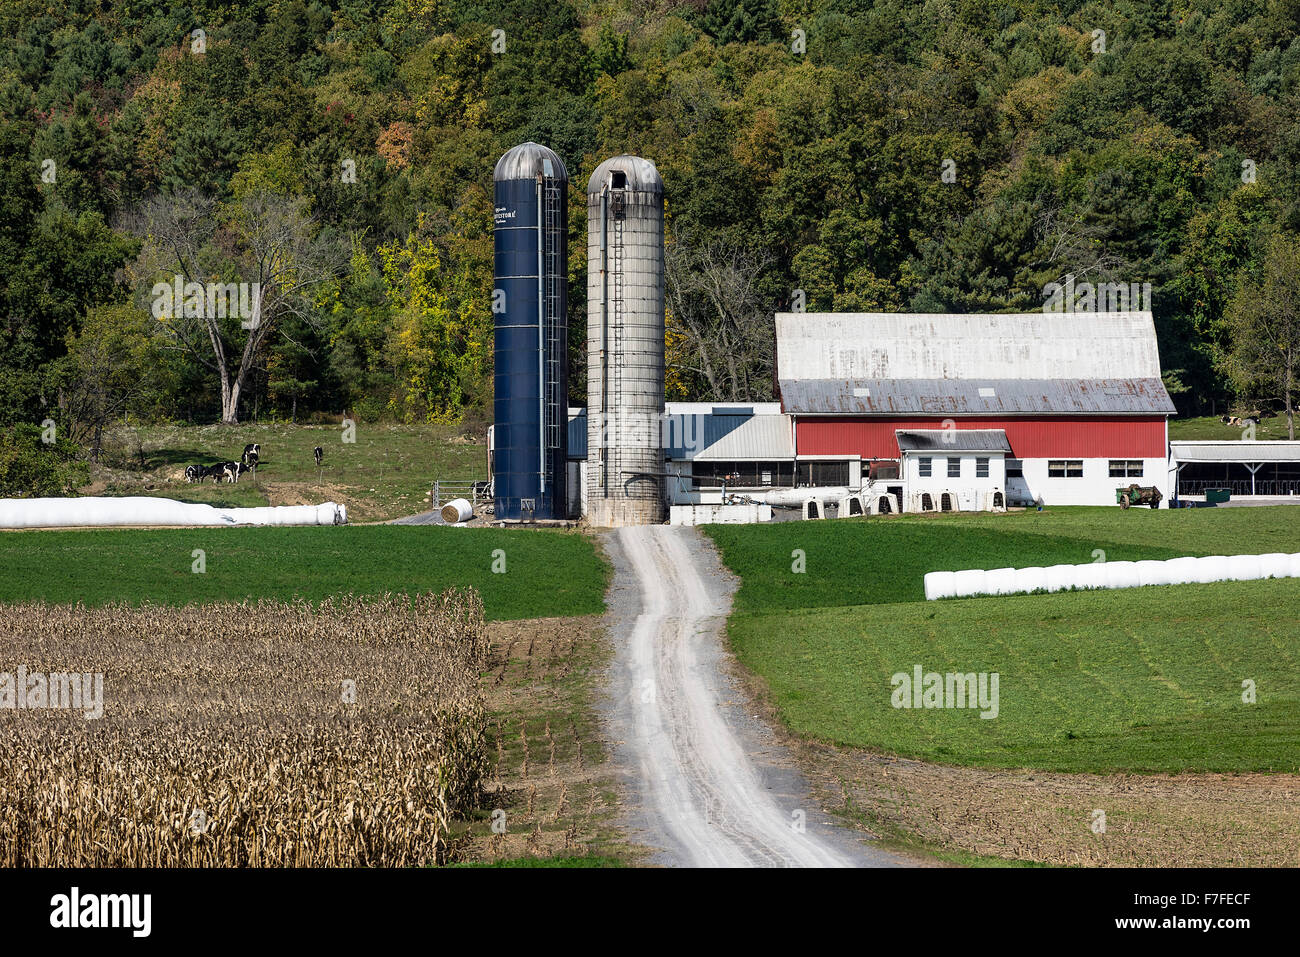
1138 495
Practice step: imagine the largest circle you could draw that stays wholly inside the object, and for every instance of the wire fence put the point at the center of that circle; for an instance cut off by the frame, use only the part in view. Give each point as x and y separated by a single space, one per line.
476 491
1270 487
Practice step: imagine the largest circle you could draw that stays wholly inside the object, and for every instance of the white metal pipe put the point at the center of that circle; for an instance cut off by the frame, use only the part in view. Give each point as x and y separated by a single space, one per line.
797 496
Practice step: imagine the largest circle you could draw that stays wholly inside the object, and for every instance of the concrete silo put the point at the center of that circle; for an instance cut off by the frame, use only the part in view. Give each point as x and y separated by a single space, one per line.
625 343
529 303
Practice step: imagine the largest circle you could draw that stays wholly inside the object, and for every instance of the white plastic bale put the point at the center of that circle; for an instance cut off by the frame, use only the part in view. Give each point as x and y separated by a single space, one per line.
1000 581
1031 579
456 511
1153 573
1244 568
1091 575
1121 574
1181 571
939 585
1061 577
1212 568
106 511
1275 565
1294 565
971 581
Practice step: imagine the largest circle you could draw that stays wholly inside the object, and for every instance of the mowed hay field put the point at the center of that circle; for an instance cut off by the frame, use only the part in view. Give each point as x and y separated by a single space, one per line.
353 733
1138 680
520 573
1128 703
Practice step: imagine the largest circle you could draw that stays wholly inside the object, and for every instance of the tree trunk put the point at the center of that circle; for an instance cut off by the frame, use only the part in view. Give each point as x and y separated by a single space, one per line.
1290 383
230 401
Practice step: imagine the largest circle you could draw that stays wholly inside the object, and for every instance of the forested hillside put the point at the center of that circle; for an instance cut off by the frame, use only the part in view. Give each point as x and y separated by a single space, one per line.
947 155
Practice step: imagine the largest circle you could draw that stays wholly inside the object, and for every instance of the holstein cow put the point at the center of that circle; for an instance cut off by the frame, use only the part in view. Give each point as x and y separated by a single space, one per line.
251 453
223 471
319 453
194 473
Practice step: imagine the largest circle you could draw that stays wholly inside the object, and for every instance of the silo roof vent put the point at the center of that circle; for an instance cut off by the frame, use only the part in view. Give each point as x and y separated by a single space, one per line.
626 172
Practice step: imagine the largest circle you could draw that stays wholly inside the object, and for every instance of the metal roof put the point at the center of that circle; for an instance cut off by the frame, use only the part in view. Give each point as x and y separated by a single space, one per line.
722 408
526 160
641 174
725 438
952 440
1261 450
1035 345
975 396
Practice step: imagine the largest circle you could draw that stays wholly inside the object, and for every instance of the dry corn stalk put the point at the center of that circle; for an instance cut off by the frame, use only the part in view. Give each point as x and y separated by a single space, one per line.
226 739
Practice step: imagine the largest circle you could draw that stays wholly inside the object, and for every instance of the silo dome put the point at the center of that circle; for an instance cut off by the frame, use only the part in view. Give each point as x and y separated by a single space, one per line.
526 160
626 172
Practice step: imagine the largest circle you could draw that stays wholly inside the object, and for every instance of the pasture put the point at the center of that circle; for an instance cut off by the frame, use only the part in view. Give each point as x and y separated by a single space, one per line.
384 472
1142 680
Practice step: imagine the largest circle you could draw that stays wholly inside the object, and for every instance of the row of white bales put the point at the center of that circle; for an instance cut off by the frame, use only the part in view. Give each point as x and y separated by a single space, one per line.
1103 574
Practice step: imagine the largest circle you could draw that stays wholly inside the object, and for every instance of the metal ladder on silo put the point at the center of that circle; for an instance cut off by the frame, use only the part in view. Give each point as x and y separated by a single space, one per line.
613 409
552 290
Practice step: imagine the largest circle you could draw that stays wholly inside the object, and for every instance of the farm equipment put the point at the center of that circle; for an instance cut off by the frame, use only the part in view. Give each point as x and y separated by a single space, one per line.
1138 495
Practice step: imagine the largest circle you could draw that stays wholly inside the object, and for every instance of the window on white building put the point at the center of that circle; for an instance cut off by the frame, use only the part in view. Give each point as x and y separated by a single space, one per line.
924 465
982 468
954 468
1015 468
1065 468
1125 468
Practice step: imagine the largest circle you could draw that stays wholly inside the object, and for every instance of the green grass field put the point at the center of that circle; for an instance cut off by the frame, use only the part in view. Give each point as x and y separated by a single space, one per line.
869 561
547 573
1211 427
385 472
1139 680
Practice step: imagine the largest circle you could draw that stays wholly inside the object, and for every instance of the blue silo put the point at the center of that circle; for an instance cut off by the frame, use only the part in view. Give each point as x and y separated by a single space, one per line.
530 302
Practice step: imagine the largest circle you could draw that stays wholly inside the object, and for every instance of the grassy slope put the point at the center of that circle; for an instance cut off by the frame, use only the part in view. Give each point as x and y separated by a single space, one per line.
1210 427
386 473
1146 680
547 573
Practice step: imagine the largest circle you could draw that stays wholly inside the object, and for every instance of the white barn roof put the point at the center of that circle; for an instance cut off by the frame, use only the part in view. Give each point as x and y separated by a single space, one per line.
1262 450
890 363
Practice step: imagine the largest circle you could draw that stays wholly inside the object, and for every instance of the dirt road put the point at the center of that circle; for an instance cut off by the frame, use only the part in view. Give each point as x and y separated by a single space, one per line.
709 784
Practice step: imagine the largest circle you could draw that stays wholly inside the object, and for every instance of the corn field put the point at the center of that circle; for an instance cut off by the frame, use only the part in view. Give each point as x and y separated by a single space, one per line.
251 734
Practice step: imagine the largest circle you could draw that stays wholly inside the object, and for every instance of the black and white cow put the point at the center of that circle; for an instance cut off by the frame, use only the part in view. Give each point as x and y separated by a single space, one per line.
319 453
223 472
194 473
252 452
